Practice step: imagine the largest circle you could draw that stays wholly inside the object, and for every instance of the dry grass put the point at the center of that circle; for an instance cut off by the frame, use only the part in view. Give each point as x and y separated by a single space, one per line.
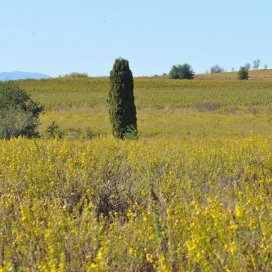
263 75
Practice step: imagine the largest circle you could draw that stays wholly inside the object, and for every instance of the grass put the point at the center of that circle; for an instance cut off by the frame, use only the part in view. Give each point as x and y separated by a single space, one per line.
193 193
175 122
261 75
65 93
165 107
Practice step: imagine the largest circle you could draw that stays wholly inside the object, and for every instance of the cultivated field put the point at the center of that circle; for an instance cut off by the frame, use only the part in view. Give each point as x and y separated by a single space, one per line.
165 107
192 194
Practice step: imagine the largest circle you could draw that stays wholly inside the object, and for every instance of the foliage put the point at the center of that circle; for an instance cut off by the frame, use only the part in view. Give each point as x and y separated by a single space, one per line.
193 195
216 69
14 122
149 205
184 71
18 113
122 109
76 74
54 131
243 73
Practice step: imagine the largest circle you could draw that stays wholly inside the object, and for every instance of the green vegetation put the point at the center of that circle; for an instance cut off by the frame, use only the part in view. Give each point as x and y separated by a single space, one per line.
53 131
164 106
243 74
184 71
122 109
192 194
257 75
76 74
18 113
173 204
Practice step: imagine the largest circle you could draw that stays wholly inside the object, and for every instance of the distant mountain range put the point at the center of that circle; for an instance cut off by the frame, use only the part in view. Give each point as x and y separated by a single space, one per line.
21 75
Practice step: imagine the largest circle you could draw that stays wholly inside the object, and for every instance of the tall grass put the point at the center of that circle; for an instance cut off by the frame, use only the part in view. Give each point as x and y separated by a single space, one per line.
165 107
192 194
148 205
150 92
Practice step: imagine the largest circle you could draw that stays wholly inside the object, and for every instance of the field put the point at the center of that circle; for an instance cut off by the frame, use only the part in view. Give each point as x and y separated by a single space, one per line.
193 193
165 107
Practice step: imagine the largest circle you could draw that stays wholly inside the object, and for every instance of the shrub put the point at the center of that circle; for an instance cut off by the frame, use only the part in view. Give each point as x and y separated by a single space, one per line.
216 69
243 73
90 134
114 192
122 109
76 74
13 123
184 71
54 131
18 113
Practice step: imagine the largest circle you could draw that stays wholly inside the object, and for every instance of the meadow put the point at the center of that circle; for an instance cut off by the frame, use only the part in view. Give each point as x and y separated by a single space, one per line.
193 193
165 107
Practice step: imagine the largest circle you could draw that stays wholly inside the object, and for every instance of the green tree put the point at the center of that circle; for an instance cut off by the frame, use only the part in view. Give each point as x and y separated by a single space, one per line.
243 73
18 113
122 108
184 71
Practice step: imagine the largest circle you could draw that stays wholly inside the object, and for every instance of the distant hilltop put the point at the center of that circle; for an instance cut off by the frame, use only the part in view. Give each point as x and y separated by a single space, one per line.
21 75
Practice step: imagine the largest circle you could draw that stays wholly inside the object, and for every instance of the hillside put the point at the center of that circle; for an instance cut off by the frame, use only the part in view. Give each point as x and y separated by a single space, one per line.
265 75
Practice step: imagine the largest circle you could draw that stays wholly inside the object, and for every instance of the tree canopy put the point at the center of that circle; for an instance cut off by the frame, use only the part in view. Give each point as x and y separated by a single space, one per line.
184 71
18 112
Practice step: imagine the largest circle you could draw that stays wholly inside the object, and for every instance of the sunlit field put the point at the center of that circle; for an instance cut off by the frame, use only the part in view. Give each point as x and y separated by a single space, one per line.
165 107
193 193
146 205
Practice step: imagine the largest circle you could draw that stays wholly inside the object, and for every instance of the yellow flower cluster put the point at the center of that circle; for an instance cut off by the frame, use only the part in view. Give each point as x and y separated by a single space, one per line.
146 205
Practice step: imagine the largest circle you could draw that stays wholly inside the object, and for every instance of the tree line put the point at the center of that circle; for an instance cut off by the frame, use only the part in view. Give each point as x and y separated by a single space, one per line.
185 71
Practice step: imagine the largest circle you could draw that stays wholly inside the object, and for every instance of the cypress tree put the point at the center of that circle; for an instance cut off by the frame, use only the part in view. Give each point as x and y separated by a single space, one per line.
122 109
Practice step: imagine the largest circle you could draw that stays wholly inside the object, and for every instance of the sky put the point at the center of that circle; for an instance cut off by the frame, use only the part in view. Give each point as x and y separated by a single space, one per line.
57 37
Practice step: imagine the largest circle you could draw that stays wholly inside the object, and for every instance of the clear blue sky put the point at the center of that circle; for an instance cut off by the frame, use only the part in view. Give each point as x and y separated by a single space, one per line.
61 36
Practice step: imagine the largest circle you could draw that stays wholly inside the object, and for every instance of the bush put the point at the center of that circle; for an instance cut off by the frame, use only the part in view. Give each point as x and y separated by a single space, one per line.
54 131
13 123
18 113
216 69
76 74
243 73
122 109
184 71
